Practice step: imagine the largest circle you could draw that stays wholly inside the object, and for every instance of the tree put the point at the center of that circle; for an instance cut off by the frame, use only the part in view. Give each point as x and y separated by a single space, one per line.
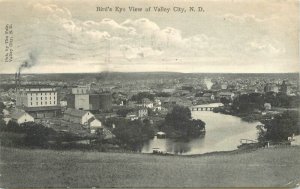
224 100
247 103
2 106
123 112
36 134
178 124
280 127
133 134
140 96
2 123
14 127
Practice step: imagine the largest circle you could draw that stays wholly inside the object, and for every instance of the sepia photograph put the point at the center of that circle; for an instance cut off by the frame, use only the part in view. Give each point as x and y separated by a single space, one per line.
149 94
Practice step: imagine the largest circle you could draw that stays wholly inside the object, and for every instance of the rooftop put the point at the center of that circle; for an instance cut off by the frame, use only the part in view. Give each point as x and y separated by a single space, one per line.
75 112
17 114
42 108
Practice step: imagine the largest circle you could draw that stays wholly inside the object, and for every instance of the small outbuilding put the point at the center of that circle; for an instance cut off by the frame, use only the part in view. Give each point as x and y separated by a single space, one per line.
95 125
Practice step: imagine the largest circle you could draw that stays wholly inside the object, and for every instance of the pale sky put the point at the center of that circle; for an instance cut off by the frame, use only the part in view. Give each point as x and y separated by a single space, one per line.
229 36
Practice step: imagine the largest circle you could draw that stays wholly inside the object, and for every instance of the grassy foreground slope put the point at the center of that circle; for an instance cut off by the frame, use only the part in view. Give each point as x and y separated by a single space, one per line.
46 168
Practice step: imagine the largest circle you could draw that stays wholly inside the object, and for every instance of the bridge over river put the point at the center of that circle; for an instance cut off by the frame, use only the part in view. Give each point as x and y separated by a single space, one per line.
206 107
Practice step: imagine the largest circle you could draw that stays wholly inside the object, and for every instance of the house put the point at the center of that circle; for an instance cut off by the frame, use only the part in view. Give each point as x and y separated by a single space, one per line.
227 95
147 103
142 112
21 117
224 86
157 105
95 125
77 116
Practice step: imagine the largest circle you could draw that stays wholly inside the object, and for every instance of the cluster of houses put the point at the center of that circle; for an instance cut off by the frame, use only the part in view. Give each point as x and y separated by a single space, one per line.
72 116
39 103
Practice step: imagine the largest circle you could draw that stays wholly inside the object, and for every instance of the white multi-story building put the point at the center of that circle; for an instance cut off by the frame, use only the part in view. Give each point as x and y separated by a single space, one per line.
39 101
36 97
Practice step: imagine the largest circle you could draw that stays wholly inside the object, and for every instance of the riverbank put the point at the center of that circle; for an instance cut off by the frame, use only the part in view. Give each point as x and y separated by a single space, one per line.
270 167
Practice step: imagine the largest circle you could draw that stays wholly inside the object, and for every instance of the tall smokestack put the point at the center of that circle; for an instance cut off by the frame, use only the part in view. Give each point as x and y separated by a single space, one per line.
19 79
16 81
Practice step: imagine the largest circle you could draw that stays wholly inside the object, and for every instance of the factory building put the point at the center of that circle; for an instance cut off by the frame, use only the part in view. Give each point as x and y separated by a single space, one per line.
36 96
105 102
38 101
81 98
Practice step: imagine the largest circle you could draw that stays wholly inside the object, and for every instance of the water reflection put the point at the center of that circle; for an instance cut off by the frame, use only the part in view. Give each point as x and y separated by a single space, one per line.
223 133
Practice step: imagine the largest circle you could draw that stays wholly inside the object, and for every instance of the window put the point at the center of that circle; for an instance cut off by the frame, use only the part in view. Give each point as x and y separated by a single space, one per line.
45 103
41 103
41 98
31 98
45 98
50 97
36 98
50 102
36 103
31 103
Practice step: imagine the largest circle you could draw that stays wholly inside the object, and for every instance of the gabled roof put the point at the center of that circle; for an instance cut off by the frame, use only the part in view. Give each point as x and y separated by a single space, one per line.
17 114
75 112
42 108
91 120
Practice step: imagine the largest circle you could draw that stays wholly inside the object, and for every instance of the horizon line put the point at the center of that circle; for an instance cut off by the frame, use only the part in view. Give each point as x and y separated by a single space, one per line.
32 73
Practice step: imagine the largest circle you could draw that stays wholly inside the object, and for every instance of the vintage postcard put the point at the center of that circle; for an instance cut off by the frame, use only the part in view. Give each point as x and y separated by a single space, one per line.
143 94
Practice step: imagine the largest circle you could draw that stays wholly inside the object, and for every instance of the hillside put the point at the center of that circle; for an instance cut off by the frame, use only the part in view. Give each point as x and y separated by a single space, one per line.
45 168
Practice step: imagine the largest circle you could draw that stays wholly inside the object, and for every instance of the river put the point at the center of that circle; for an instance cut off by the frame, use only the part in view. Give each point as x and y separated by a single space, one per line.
223 133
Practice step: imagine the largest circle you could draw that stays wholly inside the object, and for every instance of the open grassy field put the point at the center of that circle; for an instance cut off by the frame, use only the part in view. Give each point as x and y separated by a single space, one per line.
45 168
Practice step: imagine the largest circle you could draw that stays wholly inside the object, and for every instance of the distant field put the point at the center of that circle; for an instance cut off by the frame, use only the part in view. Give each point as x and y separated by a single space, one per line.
46 168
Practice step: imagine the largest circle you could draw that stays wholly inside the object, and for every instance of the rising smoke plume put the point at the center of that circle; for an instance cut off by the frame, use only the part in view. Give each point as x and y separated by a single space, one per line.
30 61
